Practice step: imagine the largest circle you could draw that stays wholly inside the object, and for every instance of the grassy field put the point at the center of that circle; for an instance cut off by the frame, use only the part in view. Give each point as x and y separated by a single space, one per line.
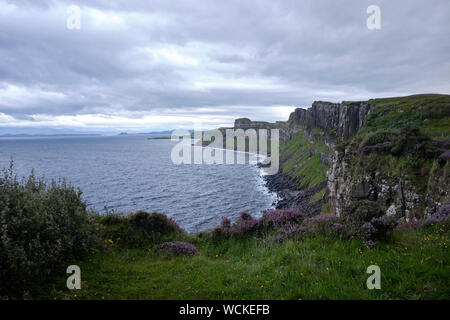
414 265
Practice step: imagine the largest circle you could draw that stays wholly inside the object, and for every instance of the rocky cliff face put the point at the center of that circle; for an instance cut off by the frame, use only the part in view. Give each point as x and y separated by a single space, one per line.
406 185
400 194
309 137
335 154
338 121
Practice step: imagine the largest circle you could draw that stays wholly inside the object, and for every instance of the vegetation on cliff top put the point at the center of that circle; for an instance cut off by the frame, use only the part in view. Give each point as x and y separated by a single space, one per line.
404 138
429 112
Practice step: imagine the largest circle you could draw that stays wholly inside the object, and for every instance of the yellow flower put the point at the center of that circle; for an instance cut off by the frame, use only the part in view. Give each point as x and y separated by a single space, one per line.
110 241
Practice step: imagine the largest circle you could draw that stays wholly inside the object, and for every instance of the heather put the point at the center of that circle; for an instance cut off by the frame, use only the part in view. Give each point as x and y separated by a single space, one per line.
363 220
178 248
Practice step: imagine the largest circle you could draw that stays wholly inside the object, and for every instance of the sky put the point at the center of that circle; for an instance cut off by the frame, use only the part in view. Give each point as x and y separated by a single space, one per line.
149 65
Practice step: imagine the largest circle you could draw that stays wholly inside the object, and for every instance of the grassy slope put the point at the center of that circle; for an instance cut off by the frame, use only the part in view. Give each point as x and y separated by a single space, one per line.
296 162
430 112
300 160
318 268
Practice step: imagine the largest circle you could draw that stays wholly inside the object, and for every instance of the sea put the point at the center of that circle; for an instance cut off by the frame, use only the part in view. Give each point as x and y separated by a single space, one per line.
127 173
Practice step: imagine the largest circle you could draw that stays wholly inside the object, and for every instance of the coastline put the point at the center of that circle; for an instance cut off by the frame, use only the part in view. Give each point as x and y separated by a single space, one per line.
277 184
292 197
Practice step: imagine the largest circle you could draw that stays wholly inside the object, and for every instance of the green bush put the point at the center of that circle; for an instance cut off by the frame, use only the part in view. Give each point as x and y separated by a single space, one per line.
378 136
43 229
411 140
139 229
357 214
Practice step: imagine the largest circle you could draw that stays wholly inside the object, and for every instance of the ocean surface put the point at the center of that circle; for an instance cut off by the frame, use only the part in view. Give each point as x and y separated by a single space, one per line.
130 173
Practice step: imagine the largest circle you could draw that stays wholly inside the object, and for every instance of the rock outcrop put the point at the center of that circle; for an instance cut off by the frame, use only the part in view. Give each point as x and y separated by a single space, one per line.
338 121
397 194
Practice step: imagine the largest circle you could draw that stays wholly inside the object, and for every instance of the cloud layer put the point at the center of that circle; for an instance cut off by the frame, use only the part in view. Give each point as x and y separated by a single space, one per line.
137 65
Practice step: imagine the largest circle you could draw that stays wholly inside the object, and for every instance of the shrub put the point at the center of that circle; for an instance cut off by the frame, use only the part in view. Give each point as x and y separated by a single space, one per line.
444 210
225 224
444 157
43 229
415 224
379 136
139 229
178 248
323 225
439 218
357 214
378 228
383 147
278 218
411 140
223 231
154 224
246 225
366 220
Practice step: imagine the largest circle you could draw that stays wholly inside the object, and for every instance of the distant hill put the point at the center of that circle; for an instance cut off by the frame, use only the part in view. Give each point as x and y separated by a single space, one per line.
24 135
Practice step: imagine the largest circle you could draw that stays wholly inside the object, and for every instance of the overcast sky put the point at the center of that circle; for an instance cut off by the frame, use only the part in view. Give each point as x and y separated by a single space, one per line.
151 65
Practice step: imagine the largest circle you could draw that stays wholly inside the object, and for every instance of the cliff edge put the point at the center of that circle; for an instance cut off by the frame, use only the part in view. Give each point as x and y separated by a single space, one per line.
392 152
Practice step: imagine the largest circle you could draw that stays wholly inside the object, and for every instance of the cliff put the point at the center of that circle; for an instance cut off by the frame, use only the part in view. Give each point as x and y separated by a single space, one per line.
396 159
339 121
390 151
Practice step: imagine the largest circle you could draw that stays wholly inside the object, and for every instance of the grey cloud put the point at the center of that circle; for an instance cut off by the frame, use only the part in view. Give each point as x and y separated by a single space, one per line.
308 50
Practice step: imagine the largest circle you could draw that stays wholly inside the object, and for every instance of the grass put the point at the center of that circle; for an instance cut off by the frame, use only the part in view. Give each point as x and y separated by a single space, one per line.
414 265
300 159
430 112
317 196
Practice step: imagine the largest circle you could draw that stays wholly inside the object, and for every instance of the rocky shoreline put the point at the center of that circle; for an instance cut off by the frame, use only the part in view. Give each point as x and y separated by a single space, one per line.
292 197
